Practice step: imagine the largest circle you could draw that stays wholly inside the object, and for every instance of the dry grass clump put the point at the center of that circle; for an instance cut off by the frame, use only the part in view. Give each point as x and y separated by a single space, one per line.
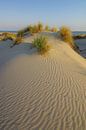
41 44
18 40
8 35
54 29
32 29
36 28
47 28
20 33
66 35
40 27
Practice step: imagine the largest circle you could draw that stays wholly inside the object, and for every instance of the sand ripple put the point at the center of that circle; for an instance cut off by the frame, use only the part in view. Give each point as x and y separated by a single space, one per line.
38 93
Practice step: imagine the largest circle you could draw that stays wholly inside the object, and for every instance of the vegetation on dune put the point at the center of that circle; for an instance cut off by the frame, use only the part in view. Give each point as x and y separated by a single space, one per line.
7 35
47 28
66 35
40 27
54 29
32 29
41 44
36 28
20 33
18 40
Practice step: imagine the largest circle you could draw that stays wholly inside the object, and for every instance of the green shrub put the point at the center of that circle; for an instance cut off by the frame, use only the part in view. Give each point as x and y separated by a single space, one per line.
41 44
66 35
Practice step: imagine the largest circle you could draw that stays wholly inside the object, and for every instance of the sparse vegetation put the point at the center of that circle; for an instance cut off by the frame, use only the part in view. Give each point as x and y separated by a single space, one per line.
66 35
18 40
36 28
7 35
41 44
47 28
40 27
20 33
54 29
32 29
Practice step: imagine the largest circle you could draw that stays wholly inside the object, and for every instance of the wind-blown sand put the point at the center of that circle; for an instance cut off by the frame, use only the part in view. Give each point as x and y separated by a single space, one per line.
42 92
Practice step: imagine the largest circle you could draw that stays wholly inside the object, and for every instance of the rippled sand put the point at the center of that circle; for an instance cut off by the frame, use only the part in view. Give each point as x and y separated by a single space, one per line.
42 92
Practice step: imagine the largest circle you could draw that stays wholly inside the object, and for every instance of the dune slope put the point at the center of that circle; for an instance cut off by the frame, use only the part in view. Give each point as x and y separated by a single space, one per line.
42 92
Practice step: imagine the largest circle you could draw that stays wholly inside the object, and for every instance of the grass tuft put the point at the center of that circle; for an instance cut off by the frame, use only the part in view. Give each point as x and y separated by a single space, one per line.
8 36
41 44
54 29
40 27
66 35
47 28
18 40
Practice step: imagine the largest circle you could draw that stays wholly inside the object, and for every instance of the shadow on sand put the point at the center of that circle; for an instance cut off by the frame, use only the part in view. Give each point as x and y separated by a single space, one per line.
7 53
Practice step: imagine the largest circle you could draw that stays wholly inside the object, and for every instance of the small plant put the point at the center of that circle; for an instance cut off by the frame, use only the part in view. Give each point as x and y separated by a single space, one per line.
20 33
40 27
47 28
35 29
32 29
54 29
18 40
8 35
66 35
41 44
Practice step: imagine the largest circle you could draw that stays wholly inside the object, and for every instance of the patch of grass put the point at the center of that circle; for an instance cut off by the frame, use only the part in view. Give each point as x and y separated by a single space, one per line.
7 35
41 44
33 29
66 35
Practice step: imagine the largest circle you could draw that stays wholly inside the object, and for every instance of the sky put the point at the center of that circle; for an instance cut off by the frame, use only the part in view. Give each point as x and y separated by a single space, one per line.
17 14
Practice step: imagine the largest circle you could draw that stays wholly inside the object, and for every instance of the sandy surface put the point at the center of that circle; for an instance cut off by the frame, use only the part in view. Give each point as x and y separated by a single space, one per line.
42 92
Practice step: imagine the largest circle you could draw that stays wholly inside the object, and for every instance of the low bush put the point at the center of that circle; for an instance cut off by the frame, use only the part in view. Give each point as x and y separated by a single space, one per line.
41 44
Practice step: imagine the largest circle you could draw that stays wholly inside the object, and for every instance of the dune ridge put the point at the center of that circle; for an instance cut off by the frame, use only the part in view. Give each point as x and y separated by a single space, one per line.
42 92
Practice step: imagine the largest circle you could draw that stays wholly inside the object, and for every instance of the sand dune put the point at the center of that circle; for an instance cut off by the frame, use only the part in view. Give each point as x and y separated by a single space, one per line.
42 92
